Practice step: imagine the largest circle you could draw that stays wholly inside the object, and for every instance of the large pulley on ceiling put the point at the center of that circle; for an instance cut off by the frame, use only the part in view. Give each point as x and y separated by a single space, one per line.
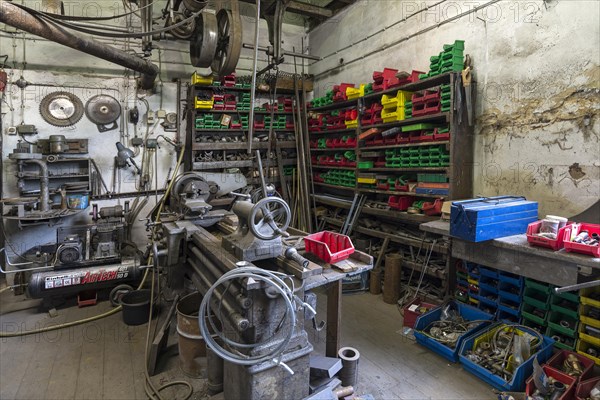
217 41
61 109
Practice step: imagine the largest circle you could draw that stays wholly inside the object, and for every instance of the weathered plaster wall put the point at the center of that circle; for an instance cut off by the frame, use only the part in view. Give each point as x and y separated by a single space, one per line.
41 62
537 68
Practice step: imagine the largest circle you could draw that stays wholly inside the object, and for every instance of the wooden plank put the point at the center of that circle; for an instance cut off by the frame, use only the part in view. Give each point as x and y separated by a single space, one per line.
334 318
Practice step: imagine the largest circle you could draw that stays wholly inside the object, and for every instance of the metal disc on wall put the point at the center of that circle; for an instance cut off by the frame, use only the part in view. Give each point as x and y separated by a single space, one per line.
61 109
203 44
103 110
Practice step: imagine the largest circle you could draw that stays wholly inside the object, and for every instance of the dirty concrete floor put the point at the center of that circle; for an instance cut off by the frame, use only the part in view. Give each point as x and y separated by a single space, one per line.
105 359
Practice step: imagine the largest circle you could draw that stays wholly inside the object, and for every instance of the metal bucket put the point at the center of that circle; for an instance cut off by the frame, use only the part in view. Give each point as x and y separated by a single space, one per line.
191 344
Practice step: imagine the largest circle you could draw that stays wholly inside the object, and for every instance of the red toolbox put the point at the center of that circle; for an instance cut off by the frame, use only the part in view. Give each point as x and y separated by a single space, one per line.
573 230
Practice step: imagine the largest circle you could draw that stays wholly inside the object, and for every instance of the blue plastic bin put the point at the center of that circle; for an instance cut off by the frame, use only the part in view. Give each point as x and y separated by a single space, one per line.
511 279
467 312
520 375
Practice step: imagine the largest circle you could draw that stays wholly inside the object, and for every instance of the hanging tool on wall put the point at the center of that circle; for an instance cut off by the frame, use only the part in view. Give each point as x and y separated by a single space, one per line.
103 110
466 77
61 109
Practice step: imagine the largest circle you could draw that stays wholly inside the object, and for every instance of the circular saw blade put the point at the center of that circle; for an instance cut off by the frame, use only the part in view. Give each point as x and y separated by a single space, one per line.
102 109
61 109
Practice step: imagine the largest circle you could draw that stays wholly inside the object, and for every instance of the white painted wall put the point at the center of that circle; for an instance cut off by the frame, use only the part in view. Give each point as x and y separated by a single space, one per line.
66 69
538 71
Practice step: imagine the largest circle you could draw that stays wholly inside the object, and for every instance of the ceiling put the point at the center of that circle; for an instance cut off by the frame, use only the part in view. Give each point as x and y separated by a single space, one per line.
311 13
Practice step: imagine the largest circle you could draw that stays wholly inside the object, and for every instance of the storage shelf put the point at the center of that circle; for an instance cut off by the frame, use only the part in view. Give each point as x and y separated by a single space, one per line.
240 89
238 131
423 84
350 130
199 166
340 149
394 238
436 273
332 167
409 169
335 106
352 188
207 146
396 193
445 117
396 146
211 111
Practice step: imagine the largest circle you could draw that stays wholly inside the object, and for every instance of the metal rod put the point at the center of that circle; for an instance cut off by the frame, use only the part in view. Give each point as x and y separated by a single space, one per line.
285 53
253 88
261 174
16 17
578 286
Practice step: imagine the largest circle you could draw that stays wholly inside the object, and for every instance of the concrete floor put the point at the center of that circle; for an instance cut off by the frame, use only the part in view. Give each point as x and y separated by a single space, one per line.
104 359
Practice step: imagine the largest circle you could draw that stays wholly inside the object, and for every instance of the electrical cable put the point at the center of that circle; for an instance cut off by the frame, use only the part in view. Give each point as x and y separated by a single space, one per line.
59 22
80 18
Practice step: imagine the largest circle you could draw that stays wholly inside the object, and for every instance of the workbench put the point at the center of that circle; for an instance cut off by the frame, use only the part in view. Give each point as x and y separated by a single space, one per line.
514 254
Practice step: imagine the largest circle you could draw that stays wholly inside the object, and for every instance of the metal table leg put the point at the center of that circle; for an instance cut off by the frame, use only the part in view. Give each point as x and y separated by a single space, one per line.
334 318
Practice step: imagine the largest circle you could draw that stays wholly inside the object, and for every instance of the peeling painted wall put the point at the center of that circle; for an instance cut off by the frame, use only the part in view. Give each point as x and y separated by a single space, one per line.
537 67
56 67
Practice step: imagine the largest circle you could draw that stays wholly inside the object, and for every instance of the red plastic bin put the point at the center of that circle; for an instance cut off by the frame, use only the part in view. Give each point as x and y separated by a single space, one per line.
401 202
433 208
414 310
584 388
573 230
559 358
559 376
534 240
329 246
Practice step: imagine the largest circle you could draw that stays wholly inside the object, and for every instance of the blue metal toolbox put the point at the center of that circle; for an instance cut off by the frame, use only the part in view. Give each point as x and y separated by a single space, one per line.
488 218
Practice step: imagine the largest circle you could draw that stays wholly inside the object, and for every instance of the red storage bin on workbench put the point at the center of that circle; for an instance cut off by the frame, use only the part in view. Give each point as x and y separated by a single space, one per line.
572 231
329 246
534 240
559 358
584 388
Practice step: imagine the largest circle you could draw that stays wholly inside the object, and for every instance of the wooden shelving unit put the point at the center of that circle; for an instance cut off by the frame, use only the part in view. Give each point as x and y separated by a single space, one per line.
459 172
228 145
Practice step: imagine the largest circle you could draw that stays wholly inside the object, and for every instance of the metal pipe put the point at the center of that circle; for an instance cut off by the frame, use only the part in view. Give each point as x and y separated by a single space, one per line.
285 53
44 183
578 286
253 88
14 16
235 318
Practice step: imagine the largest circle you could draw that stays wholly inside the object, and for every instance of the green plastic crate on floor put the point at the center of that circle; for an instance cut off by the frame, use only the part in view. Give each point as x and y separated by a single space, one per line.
556 319
565 342
537 285
536 298
539 328
564 306
528 312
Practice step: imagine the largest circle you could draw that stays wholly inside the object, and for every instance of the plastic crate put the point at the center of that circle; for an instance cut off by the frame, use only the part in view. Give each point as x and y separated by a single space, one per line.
572 231
555 244
585 387
584 318
527 311
530 324
568 381
556 320
536 298
583 347
564 306
520 374
414 310
587 336
467 312
587 296
562 341
330 247
539 286
557 361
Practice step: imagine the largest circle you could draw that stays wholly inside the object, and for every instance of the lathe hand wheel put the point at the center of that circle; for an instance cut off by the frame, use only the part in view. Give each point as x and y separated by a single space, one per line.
261 220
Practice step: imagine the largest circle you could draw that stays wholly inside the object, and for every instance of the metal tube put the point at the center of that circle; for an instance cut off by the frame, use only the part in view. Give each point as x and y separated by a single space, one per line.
234 290
253 88
578 286
44 184
285 53
14 16
235 318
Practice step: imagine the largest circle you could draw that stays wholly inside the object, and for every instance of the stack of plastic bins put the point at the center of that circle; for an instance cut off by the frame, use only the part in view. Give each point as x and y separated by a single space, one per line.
461 292
473 281
563 319
488 290
445 97
536 305
510 296
588 343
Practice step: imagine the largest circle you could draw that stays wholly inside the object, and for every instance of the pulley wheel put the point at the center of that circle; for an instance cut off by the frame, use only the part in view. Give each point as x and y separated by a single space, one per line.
229 43
263 215
203 44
